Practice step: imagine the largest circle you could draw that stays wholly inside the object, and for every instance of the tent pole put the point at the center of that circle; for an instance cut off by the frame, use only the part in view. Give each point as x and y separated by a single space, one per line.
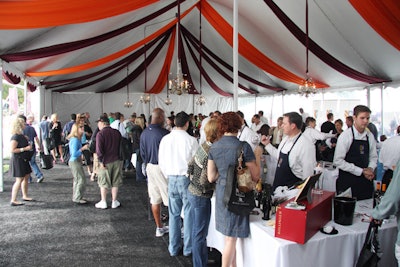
1 125
235 55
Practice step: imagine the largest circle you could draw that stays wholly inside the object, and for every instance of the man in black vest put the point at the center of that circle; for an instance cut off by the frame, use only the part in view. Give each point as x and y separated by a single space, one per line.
295 153
356 156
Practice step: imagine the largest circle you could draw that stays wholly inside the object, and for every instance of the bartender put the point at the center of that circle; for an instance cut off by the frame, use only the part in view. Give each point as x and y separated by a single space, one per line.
356 156
295 153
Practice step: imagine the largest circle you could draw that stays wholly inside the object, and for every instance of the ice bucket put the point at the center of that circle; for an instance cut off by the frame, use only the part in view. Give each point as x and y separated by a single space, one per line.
343 210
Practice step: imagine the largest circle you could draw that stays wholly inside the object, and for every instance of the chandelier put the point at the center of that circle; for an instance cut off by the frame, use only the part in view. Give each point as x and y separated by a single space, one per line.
307 87
128 103
145 98
201 100
178 85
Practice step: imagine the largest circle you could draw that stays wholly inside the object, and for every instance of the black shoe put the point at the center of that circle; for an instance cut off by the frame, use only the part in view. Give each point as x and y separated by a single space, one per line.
14 204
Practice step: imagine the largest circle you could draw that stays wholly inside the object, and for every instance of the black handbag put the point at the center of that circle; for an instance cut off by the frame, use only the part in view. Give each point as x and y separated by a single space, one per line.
237 202
46 161
126 149
369 255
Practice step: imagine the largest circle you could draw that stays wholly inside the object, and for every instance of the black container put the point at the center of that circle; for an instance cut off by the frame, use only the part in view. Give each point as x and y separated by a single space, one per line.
343 210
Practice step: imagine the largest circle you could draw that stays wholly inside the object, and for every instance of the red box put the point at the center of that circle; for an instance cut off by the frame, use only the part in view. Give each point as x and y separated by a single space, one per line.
301 225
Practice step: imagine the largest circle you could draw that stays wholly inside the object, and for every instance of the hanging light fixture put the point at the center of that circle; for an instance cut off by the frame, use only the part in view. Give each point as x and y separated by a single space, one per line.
168 101
178 85
200 100
308 86
145 98
128 103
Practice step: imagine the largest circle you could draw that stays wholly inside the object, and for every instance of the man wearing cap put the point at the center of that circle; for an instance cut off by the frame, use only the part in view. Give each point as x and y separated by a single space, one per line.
110 169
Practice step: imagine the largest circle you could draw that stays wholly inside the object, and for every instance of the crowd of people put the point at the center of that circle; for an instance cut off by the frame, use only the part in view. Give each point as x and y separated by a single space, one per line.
184 158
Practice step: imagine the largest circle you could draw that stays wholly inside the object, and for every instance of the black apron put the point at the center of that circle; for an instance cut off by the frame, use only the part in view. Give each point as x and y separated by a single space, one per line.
284 175
361 187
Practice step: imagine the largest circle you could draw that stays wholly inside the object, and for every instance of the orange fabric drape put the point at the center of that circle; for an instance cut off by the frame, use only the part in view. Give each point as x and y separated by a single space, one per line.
163 76
108 58
383 16
50 13
247 50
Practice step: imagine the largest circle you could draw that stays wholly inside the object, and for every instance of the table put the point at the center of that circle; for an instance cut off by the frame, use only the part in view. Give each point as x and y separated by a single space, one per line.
263 249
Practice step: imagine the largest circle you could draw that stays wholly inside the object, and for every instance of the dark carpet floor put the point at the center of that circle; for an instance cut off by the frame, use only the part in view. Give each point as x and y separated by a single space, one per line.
53 231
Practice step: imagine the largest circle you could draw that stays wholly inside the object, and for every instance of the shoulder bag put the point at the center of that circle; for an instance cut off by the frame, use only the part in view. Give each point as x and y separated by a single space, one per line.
369 255
237 201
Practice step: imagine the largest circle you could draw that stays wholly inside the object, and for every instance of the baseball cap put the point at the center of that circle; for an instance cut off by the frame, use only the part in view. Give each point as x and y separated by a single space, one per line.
103 119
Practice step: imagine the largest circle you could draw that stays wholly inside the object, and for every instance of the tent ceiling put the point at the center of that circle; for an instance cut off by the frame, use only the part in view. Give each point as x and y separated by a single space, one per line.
333 25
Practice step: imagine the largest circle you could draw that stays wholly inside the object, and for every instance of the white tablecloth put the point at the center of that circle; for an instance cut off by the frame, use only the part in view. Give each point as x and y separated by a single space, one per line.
263 249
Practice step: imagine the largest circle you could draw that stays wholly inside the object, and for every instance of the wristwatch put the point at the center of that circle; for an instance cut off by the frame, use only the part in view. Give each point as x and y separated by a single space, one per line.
21 149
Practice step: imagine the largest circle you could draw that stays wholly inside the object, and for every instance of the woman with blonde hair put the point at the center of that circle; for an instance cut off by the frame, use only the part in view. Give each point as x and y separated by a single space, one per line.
56 133
21 153
136 132
75 163
199 195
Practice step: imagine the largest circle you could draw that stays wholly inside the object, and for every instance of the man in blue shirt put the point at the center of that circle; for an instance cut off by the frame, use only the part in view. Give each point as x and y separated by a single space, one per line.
157 183
30 132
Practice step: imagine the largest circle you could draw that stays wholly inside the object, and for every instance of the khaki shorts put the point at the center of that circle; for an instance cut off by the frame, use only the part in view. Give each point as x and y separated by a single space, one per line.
111 176
157 185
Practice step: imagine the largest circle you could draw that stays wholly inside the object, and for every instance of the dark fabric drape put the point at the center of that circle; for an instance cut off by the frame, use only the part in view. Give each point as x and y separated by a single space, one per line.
121 65
11 78
72 46
319 51
138 70
114 67
196 43
50 13
219 70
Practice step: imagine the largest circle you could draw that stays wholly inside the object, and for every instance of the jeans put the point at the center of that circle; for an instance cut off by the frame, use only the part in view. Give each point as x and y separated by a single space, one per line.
177 197
35 167
201 212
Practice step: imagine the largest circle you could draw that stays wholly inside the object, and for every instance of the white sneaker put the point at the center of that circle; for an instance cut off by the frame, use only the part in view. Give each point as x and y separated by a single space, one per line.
161 231
101 205
115 204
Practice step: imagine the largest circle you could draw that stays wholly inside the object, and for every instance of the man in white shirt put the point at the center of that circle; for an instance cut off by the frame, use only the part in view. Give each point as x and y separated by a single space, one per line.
176 150
356 156
389 156
277 133
295 154
263 119
256 123
119 125
304 115
246 134
313 134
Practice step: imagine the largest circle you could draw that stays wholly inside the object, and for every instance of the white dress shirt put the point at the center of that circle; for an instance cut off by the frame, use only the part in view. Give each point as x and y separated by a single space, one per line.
117 125
314 135
343 145
256 127
389 154
175 152
248 135
301 158
202 133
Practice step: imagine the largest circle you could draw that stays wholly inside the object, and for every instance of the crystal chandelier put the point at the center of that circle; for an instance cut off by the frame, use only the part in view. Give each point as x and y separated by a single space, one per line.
145 98
128 103
178 85
307 87
168 101
201 100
